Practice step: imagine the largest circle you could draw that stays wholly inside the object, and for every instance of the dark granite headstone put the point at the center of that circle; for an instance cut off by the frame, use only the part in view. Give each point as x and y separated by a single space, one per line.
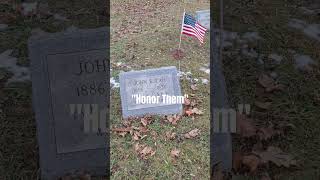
151 82
70 87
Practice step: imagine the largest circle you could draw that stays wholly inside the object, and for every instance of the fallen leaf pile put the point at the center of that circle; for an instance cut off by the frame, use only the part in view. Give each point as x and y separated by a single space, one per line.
192 134
246 127
173 119
144 151
255 159
269 83
190 109
257 151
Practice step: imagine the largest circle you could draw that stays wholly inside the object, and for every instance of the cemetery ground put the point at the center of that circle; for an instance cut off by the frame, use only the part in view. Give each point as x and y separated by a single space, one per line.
271 61
19 148
143 36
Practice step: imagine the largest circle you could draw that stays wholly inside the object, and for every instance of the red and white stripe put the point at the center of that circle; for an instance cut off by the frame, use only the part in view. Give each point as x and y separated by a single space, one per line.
199 31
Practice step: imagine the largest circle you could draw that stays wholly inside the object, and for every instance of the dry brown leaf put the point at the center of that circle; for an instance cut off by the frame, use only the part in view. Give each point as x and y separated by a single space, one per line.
245 126
193 103
194 87
269 84
147 152
143 151
123 134
192 134
187 102
197 111
263 105
275 155
143 129
144 121
138 147
126 123
189 112
236 160
154 135
170 135
266 81
175 153
136 135
252 162
267 133
173 119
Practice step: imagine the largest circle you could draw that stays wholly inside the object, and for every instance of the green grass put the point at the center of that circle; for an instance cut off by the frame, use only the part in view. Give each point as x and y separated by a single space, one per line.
298 104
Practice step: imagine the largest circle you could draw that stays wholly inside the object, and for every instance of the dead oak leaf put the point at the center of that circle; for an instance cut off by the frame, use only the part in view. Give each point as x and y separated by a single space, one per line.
144 121
187 101
197 111
136 135
188 112
236 160
277 156
173 119
269 84
266 81
263 105
245 126
194 87
267 133
170 135
143 129
175 153
147 152
192 134
252 162
122 134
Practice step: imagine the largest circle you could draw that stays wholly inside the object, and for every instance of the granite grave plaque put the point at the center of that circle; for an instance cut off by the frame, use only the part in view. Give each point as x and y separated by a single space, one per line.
161 82
70 84
203 17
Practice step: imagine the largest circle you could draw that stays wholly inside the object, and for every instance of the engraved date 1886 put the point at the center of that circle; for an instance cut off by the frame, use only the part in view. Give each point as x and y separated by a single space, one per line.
92 88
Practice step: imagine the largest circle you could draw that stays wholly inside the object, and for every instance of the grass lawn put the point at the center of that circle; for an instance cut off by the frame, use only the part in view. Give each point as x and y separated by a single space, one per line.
298 104
143 34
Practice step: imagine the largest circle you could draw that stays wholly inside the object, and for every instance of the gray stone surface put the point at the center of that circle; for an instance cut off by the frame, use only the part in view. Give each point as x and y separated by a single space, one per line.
310 30
20 73
3 27
63 68
275 58
303 62
151 82
204 18
220 143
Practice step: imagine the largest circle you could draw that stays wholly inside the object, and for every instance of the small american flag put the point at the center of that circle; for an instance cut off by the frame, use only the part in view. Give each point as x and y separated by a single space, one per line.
191 27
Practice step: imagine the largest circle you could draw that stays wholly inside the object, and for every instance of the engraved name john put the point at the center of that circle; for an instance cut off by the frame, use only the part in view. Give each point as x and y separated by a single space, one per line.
93 87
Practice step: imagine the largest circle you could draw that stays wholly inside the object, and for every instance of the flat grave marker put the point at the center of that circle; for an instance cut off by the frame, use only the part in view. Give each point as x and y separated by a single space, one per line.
70 87
151 82
204 18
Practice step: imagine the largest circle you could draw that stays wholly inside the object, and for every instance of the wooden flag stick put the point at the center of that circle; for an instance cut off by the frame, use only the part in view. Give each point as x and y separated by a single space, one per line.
184 11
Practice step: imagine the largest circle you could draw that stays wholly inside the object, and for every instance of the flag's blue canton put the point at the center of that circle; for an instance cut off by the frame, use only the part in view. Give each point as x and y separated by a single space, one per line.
188 20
